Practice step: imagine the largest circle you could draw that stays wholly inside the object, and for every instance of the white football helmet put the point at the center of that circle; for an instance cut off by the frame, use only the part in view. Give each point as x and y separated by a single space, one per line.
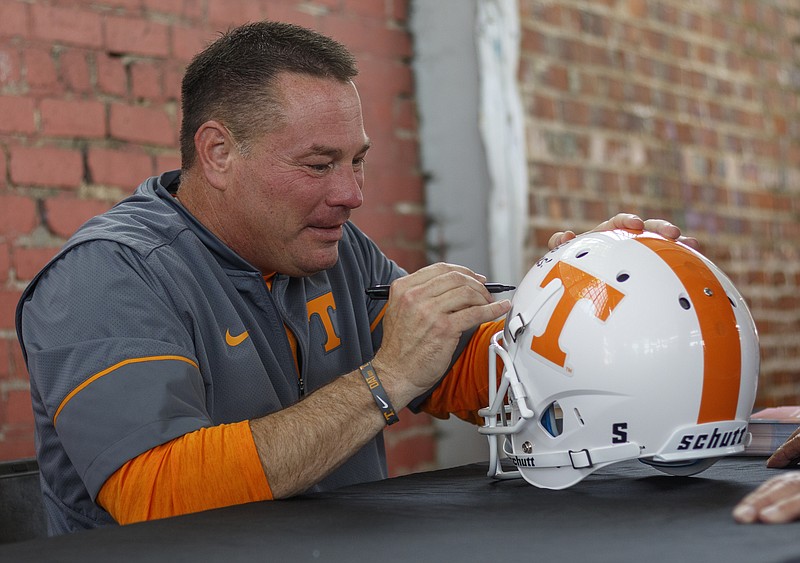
620 345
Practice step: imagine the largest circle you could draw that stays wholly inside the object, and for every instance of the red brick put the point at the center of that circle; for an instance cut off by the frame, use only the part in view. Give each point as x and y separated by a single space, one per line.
10 66
146 81
399 11
372 9
17 215
411 453
387 78
335 5
14 19
122 168
12 364
28 261
189 9
131 5
111 75
223 13
69 25
73 118
46 166
40 71
8 307
173 75
17 115
367 36
141 125
136 36
18 407
405 114
287 11
65 214
18 368
165 162
408 420
5 358
188 41
17 443
5 264
75 72
368 218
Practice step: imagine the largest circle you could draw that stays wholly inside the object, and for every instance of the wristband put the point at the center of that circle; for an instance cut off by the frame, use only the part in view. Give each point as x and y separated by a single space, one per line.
378 393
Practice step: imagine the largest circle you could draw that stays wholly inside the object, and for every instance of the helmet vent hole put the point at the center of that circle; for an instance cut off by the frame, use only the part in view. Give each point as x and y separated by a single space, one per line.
581 254
733 303
685 303
623 277
579 417
552 419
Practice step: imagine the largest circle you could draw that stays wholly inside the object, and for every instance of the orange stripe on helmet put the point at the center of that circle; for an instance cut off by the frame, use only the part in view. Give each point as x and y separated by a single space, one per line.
722 355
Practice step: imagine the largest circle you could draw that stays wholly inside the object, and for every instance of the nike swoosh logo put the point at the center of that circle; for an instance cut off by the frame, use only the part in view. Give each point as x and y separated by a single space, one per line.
235 340
385 405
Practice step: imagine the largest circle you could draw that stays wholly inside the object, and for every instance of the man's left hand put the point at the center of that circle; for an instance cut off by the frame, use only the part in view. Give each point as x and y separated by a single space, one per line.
630 221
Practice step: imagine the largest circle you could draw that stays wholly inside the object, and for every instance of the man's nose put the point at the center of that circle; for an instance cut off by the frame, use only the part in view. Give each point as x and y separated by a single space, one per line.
347 188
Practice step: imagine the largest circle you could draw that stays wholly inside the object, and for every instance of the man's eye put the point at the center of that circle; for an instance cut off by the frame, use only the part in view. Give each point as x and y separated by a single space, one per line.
320 167
359 162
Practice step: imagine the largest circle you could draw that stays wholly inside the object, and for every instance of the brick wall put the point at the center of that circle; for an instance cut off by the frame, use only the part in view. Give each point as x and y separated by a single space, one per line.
682 110
89 107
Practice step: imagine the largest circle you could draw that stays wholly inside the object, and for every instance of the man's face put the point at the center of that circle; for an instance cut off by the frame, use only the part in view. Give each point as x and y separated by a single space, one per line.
296 186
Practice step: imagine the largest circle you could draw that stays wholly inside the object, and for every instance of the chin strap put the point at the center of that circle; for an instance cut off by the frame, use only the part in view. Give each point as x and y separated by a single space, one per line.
578 459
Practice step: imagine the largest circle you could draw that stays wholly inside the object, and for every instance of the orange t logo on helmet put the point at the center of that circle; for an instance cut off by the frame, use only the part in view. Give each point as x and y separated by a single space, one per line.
577 285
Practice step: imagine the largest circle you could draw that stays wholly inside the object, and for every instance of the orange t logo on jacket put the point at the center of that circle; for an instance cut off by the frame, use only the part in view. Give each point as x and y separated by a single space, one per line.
577 285
322 306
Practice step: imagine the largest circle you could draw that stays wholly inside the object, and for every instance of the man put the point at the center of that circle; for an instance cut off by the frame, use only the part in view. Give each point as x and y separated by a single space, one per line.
209 342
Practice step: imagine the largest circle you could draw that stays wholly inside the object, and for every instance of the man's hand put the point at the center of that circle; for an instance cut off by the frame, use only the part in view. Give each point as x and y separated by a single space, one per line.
425 317
778 499
629 221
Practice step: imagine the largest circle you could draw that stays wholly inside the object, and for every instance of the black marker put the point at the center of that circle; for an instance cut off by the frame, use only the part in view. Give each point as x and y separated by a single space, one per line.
382 291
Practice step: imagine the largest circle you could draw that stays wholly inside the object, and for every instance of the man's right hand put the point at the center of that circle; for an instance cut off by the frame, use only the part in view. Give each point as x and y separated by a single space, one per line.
425 317
426 314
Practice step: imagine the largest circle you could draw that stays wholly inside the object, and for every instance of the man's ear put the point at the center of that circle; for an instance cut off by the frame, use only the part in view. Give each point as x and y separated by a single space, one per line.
215 149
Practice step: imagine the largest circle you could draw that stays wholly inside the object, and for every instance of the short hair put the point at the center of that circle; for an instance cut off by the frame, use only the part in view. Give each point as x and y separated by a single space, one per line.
232 80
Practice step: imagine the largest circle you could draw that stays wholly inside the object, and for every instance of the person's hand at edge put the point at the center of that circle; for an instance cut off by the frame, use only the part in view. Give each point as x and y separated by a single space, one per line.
788 453
776 501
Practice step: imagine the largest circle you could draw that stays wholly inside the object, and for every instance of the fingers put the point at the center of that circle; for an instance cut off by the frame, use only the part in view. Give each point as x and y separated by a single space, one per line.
560 238
449 287
426 315
622 221
631 222
670 231
445 289
788 453
663 228
775 501
441 277
691 242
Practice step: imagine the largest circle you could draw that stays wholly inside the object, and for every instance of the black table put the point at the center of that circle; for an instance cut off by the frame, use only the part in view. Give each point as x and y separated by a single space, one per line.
626 512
